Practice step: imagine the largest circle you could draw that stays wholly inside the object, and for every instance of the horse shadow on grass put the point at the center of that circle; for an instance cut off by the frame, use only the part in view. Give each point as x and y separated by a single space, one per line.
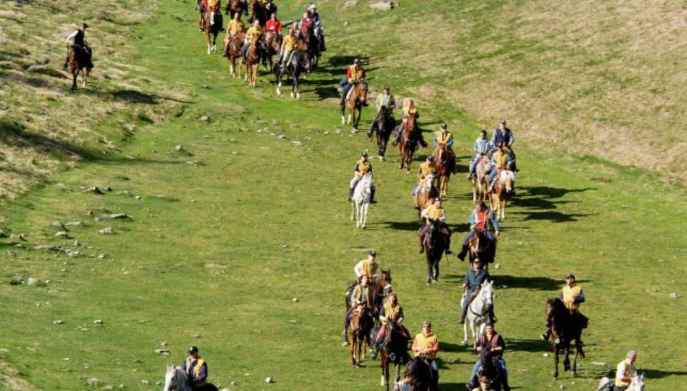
403 226
659 374
536 283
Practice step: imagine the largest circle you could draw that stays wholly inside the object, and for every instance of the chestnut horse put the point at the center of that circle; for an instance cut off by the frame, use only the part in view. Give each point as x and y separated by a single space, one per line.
252 62
408 143
272 42
232 51
353 103
445 164
426 191
502 192
212 25
359 331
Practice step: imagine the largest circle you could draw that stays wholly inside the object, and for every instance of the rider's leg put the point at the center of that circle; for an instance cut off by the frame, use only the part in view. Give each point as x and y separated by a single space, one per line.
492 178
473 164
373 190
447 235
475 371
354 183
466 305
503 373
492 317
421 236
464 249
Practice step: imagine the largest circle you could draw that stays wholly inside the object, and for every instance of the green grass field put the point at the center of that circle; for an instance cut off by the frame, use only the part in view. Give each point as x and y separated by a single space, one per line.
225 235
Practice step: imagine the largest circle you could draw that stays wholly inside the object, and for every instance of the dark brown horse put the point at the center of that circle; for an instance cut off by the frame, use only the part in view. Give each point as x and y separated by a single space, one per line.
566 328
354 102
236 7
272 45
434 244
252 62
445 165
232 51
80 63
382 126
394 351
407 143
258 12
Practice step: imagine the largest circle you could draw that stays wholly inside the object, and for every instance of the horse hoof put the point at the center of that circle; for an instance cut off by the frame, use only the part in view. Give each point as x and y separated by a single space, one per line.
298 96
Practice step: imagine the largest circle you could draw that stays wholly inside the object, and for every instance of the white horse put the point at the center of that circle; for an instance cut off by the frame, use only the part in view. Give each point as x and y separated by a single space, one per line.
606 383
478 311
176 379
362 195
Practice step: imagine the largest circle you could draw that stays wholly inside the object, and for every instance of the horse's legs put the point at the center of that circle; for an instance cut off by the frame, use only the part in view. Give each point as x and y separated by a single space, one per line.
465 333
577 353
353 211
75 75
555 361
430 267
436 268
366 207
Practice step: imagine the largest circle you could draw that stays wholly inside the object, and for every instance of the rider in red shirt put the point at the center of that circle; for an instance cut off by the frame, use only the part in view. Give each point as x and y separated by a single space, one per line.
273 24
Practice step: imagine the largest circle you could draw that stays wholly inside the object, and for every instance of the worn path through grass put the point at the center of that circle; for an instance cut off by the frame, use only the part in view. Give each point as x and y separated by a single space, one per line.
241 221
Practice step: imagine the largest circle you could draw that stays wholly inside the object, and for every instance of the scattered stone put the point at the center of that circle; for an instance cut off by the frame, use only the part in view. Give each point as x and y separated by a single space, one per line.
66 359
138 197
32 281
62 234
205 118
93 382
232 383
58 322
84 329
384 5
145 382
59 225
4 350
96 190
296 142
350 3
269 380
106 231
599 363
163 352
113 216
674 295
102 256
295 300
546 355
98 322
281 137
73 224
196 336
179 148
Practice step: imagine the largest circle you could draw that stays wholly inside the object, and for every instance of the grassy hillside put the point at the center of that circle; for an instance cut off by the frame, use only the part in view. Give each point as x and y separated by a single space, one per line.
585 77
43 126
225 233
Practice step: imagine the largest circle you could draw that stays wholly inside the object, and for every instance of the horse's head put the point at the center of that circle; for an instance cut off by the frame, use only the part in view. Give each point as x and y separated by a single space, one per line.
507 177
386 276
172 379
487 292
637 383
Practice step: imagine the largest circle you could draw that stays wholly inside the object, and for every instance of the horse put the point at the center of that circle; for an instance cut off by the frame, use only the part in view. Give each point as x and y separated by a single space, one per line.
424 378
566 327
483 247
176 379
407 144
394 351
212 25
294 69
236 7
480 183
445 165
354 102
478 311
252 61
502 192
259 13
272 45
424 194
232 51
359 330
434 245
637 384
487 368
382 126
315 47
80 61
362 195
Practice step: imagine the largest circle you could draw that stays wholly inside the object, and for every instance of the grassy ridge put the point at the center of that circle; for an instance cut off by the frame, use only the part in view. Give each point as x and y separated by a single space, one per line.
221 241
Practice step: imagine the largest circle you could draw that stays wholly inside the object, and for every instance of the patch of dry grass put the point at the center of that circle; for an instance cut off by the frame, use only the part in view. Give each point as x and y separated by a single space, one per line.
10 379
44 127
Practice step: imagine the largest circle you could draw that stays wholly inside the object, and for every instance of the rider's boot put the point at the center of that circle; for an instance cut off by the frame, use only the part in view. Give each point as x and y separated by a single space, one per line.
463 252
372 195
350 194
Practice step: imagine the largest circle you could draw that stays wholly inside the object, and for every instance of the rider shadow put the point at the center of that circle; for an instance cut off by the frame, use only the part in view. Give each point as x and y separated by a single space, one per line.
455 348
452 386
527 345
659 374
537 283
553 192
553 216
403 226
462 227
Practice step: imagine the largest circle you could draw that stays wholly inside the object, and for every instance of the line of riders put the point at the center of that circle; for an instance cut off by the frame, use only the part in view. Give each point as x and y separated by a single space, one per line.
374 313
265 30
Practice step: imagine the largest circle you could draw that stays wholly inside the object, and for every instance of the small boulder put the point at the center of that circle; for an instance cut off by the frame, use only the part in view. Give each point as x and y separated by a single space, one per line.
384 5
106 231
269 380
674 295
350 3
93 382
58 322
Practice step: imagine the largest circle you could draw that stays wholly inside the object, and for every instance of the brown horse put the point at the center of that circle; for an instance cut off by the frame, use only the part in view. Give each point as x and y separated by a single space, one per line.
236 7
353 103
80 63
272 44
232 51
445 164
359 330
252 62
212 25
425 192
480 184
407 143
394 352
566 328
502 192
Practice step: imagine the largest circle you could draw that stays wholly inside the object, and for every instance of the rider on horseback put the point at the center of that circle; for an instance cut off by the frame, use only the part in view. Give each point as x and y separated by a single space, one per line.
368 267
435 214
317 22
471 286
492 343
195 367
572 296
504 135
273 25
252 37
391 312
426 346
482 147
501 159
409 109
480 220
236 25
354 74
444 137
385 103
79 46
361 298
288 46
362 167
426 168
625 372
